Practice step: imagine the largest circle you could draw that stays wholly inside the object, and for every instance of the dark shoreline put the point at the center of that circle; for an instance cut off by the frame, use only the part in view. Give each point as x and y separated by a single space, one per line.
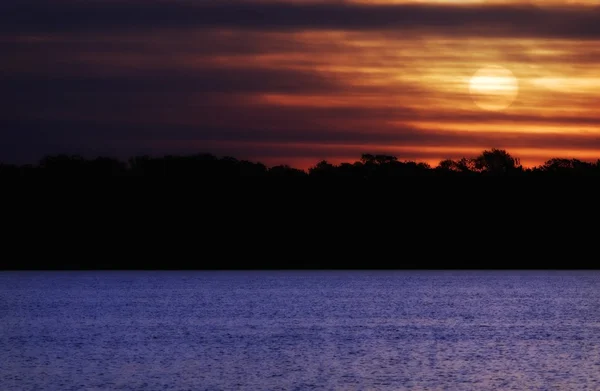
234 222
370 166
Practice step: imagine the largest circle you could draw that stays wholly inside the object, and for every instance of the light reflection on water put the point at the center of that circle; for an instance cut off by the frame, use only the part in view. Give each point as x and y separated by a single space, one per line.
300 330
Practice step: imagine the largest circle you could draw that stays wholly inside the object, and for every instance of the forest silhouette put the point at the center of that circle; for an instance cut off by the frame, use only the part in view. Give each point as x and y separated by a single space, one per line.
216 219
489 162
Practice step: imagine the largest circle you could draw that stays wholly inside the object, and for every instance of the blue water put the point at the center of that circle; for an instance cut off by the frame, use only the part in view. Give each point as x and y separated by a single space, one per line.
330 330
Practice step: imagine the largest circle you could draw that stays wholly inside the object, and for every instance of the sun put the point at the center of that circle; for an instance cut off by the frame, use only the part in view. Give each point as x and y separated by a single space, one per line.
493 88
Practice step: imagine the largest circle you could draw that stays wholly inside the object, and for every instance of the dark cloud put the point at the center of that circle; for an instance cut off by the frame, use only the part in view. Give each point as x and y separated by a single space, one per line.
153 44
450 20
177 83
30 139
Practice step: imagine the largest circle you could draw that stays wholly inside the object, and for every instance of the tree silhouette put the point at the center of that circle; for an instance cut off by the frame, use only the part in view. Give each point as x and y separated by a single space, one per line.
64 165
495 162
562 166
323 168
462 166
285 171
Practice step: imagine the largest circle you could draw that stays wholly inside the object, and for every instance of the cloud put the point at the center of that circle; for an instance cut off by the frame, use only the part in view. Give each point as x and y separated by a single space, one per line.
148 95
34 138
26 17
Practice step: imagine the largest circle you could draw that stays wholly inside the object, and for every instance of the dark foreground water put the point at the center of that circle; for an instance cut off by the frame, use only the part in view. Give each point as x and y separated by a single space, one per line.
300 331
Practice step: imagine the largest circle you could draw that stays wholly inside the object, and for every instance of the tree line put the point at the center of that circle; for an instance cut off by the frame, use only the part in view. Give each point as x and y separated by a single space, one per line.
522 224
489 162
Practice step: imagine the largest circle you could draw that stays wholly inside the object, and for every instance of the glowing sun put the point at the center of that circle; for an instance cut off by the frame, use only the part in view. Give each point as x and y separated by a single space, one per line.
493 88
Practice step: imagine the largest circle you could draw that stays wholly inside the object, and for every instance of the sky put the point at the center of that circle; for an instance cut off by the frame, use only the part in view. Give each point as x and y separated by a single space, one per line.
299 81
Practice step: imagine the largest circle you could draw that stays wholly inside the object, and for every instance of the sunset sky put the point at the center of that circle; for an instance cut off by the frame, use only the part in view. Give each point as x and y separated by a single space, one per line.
296 81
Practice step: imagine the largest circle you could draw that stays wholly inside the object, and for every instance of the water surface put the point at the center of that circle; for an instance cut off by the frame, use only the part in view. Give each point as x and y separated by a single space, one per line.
332 330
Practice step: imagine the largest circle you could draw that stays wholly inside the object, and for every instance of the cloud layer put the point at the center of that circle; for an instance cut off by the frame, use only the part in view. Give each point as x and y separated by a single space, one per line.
292 81
511 20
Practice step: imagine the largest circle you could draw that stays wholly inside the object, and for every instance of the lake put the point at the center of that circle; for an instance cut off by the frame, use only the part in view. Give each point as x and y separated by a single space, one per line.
300 330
